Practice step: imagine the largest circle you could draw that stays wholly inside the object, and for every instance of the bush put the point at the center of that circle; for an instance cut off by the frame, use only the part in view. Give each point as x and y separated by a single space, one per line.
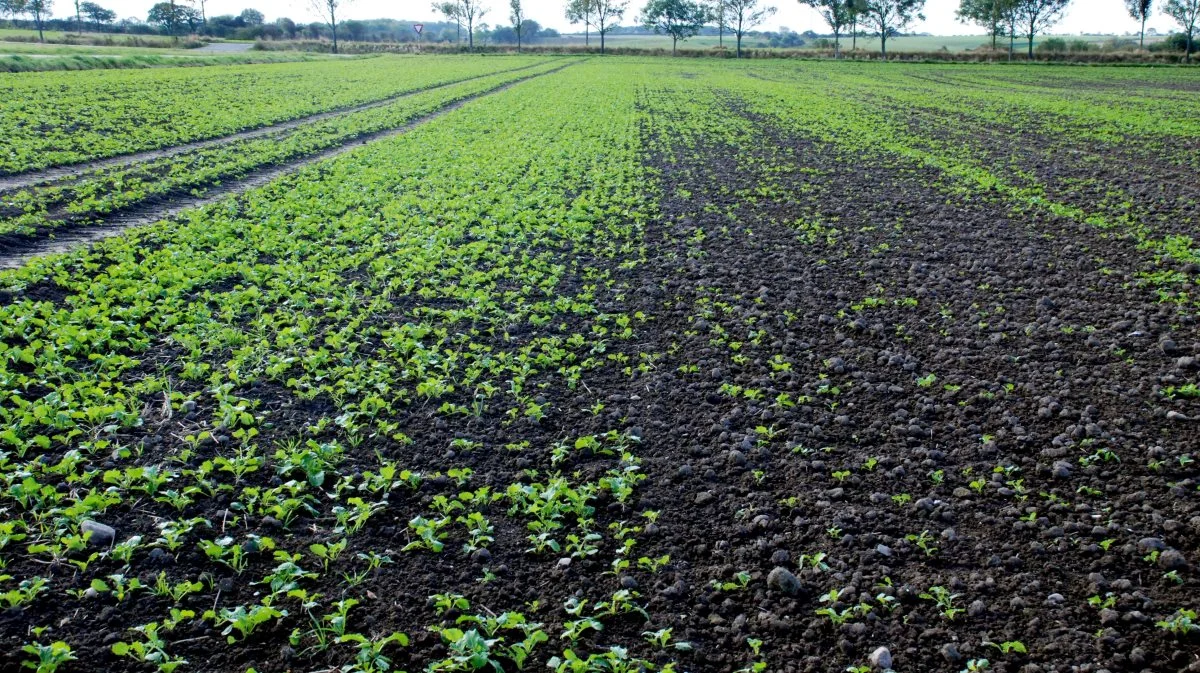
1053 45
1175 42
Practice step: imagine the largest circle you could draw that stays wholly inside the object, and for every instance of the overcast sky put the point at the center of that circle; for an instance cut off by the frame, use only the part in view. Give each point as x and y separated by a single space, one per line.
1084 16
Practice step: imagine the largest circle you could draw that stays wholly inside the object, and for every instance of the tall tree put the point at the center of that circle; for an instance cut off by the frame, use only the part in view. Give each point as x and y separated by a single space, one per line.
1010 20
605 15
168 16
745 15
1037 16
449 9
517 16
99 15
12 8
1187 13
886 18
471 11
718 13
40 10
854 11
836 13
680 19
329 10
580 11
990 15
203 14
1140 10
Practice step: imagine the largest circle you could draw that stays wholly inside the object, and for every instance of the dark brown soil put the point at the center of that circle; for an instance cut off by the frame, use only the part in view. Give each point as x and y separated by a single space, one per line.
1041 358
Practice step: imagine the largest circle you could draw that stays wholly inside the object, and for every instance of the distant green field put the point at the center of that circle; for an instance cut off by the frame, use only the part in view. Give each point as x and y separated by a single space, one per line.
914 43
71 42
34 48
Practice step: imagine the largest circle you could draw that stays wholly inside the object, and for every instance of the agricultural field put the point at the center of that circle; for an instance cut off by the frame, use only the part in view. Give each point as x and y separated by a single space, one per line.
601 365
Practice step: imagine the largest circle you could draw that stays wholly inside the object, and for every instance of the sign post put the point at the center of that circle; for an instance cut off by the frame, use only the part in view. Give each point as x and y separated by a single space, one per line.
418 27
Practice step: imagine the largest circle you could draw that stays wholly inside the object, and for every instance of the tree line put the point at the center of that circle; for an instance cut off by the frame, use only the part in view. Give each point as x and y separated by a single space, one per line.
882 19
677 19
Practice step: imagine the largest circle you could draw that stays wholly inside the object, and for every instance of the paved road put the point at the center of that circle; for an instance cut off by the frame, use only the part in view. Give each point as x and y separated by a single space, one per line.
225 47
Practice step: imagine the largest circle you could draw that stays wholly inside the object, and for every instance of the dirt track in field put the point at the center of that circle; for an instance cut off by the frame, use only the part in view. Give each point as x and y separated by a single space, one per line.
16 251
74 171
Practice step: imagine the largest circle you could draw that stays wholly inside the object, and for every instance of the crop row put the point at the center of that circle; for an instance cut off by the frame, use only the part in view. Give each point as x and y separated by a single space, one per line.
109 190
291 359
386 413
56 118
969 135
901 395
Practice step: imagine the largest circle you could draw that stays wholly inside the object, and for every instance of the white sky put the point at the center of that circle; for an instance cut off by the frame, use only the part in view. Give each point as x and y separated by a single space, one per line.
1084 16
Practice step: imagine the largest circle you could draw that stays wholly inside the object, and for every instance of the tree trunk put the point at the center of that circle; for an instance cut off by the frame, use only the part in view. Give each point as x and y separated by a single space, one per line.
739 45
518 38
1012 44
1031 46
720 36
854 36
674 41
586 36
602 40
837 47
333 27
1142 42
41 37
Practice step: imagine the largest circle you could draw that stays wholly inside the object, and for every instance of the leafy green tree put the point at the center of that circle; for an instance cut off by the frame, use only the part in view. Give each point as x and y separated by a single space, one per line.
718 13
680 19
99 15
854 12
252 17
1010 21
329 10
1187 13
836 13
471 11
168 16
12 8
40 11
1037 16
1140 10
516 14
580 11
990 15
886 18
605 15
745 15
449 9
286 26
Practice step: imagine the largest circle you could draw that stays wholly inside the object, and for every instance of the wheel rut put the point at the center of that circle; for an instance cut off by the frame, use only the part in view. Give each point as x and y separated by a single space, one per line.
16 251
69 172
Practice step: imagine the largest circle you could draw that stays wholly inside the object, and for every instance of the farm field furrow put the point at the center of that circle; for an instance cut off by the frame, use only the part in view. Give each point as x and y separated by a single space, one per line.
158 185
634 366
57 118
61 174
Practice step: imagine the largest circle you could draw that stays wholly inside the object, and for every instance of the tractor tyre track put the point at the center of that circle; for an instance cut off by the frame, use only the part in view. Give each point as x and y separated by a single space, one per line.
69 172
15 251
